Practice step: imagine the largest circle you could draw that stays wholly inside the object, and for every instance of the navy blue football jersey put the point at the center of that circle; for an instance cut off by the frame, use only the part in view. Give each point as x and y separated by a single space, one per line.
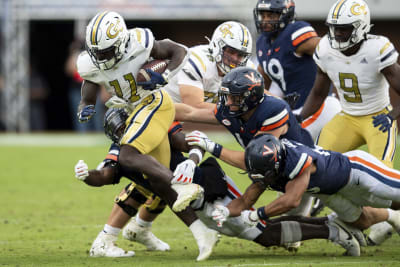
280 62
270 114
332 168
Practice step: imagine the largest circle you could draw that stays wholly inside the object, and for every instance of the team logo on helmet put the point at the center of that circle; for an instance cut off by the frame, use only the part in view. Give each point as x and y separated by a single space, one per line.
225 29
114 29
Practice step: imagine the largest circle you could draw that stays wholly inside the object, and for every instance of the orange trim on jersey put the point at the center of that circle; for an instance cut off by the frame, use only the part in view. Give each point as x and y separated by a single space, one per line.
234 191
173 125
376 167
112 157
275 125
306 165
313 117
215 110
303 37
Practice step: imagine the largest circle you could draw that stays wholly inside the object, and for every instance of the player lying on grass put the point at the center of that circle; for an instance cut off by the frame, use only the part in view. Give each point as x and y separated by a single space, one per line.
219 189
135 194
344 182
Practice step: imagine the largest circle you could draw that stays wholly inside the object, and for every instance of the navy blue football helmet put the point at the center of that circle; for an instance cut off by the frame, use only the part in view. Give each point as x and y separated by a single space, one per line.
114 123
264 156
286 9
245 86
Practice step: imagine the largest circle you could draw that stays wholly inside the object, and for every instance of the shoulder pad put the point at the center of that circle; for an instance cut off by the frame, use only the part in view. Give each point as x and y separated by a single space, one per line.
198 63
85 66
143 37
301 31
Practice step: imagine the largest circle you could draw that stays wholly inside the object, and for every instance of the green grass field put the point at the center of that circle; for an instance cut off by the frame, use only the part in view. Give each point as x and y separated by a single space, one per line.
49 218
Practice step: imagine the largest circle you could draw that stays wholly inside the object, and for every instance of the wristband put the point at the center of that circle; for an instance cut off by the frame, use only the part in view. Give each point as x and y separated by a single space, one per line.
217 150
261 214
197 152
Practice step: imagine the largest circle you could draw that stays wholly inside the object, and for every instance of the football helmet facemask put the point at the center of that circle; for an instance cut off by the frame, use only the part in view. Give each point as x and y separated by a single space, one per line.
106 39
264 157
241 90
114 123
285 9
352 14
230 46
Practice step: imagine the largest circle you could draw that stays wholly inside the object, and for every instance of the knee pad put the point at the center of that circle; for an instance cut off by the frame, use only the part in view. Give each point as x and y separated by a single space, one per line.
157 205
121 199
290 232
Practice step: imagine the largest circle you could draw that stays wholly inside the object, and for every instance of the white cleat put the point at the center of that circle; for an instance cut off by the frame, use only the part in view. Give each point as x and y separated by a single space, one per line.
346 240
357 233
104 246
206 243
143 235
379 233
186 194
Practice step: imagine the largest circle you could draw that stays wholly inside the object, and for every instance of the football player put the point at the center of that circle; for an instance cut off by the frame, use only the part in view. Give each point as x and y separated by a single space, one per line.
113 58
137 193
362 66
219 190
344 182
198 82
284 51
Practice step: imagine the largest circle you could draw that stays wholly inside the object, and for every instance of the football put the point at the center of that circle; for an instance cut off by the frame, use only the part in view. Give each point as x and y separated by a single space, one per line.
156 65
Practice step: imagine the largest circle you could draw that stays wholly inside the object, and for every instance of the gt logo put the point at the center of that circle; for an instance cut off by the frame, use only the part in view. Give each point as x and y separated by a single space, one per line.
269 151
225 29
113 30
357 9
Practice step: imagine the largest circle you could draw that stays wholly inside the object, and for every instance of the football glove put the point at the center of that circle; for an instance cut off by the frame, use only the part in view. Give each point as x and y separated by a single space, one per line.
385 122
184 172
220 214
86 113
249 217
197 138
291 99
156 81
81 170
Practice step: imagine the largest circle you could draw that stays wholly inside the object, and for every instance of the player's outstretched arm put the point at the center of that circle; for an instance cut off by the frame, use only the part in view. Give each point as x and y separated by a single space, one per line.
234 158
104 176
188 113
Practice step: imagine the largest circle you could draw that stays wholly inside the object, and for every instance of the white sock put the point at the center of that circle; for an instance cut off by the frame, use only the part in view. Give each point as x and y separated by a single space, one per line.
142 222
111 230
390 217
197 227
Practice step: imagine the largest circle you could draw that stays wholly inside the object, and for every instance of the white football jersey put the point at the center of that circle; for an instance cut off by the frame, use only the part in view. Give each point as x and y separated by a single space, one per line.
121 79
362 88
200 71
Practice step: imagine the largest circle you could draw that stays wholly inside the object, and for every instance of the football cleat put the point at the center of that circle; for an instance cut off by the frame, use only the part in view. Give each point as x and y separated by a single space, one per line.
206 243
143 235
186 194
346 240
104 246
357 233
379 233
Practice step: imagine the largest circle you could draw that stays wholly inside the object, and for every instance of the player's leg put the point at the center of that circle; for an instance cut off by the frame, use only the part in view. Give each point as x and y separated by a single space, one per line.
145 134
332 135
139 228
317 121
292 231
125 207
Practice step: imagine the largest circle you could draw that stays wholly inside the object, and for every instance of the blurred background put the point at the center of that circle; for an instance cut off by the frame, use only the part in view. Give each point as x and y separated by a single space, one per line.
40 39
